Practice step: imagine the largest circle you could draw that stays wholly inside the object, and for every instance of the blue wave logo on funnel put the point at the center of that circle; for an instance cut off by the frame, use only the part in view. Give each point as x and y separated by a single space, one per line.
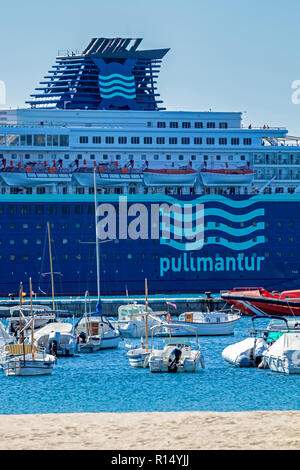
237 227
117 83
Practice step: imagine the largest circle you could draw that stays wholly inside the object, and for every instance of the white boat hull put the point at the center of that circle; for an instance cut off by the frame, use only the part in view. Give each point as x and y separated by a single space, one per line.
282 364
205 329
167 179
138 357
159 364
106 179
33 179
18 367
223 179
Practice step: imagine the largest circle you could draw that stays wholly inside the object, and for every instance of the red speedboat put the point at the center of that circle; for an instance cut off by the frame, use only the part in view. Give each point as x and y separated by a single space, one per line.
258 301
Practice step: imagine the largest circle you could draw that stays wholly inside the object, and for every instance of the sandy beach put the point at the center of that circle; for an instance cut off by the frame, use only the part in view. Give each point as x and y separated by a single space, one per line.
140 431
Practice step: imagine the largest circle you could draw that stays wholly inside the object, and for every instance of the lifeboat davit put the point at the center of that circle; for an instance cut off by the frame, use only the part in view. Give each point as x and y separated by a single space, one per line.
227 176
170 177
258 301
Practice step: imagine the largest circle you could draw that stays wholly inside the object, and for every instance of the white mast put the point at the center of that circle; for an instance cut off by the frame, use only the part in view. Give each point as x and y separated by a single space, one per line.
97 244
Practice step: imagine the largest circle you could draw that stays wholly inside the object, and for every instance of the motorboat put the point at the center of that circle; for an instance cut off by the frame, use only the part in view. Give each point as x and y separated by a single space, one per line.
177 354
284 354
257 301
138 356
249 352
43 315
57 338
26 360
215 323
132 320
95 332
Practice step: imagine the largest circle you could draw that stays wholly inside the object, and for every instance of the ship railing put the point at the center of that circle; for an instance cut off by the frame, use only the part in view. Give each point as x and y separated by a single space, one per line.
34 175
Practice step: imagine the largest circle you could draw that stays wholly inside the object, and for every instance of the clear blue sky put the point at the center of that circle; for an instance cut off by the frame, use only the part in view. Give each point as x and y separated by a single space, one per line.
227 55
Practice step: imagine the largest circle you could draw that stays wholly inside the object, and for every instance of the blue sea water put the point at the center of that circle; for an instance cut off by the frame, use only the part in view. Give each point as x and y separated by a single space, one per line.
105 382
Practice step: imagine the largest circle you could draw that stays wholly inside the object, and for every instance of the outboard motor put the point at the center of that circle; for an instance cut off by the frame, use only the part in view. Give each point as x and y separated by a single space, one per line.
83 337
174 360
54 339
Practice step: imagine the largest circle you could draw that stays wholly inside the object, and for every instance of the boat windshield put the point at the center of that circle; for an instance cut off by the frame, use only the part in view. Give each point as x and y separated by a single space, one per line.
133 312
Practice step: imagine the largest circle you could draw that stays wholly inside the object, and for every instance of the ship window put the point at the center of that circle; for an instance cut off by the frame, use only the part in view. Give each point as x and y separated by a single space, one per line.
65 241
26 258
12 140
218 157
186 125
52 210
173 140
235 141
11 242
180 157
12 210
147 140
198 125
210 140
156 157
39 140
161 124
243 157
25 241
78 257
223 125
247 141
135 140
149 124
105 157
222 141
12 258
205 157
40 190
185 140
210 125
143 157
25 210
278 253
55 140
83 139
65 210
197 140
109 140
160 140
25 226
118 157
2 140
122 140
78 210
39 241
193 157
96 139
130 256
173 125
168 157
66 157
40 156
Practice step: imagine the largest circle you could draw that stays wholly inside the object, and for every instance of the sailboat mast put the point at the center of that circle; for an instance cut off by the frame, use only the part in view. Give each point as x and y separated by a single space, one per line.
51 266
32 320
146 316
97 244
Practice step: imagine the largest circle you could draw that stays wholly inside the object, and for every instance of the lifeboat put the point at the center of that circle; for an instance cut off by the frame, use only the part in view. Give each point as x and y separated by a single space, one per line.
107 175
227 176
170 177
33 175
259 301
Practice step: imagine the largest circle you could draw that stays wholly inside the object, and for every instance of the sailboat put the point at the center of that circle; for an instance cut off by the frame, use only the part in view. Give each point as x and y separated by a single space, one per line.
94 329
25 359
139 357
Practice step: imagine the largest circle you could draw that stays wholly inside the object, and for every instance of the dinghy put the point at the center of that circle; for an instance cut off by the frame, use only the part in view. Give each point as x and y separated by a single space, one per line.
284 354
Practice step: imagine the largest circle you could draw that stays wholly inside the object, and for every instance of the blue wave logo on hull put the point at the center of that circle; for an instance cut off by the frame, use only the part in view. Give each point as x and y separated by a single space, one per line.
189 227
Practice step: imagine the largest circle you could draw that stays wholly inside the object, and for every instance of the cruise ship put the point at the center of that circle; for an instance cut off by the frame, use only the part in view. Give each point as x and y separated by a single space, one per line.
201 201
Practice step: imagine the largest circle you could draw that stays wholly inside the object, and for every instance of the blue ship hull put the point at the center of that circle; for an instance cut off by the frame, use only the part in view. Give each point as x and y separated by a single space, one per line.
247 241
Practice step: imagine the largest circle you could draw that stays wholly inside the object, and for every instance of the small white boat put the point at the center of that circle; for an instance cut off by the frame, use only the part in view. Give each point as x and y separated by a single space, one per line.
132 320
58 338
23 360
177 355
249 352
95 333
138 357
284 354
207 324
